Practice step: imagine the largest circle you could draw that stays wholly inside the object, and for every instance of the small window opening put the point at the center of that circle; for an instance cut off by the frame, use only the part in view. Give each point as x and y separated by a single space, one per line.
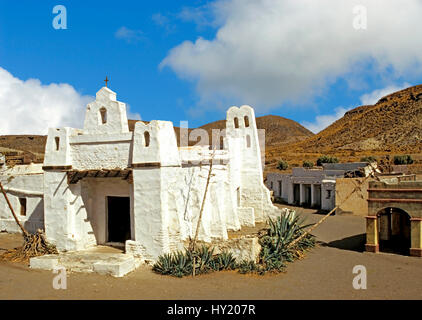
103 113
328 194
236 123
248 141
147 138
57 143
22 202
221 143
246 121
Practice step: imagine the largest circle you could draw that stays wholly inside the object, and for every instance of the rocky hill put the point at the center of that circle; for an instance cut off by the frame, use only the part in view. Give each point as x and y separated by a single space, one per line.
394 123
392 126
278 130
21 149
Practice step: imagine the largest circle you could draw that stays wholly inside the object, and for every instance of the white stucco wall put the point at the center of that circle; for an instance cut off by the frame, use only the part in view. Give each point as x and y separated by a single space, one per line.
108 153
116 117
25 182
326 179
246 162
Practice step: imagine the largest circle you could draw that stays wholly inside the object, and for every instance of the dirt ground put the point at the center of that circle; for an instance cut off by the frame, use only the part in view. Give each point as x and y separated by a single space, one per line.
325 273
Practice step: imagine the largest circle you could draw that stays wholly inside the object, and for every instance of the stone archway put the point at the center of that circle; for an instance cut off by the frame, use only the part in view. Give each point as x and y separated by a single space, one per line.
394 230
402 199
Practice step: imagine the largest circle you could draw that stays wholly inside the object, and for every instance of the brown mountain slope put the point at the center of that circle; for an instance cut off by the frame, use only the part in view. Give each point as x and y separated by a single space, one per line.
394 123
20 149
278 130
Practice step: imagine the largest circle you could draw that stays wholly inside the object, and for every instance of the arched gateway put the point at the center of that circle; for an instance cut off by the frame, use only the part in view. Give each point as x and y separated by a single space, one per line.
394 218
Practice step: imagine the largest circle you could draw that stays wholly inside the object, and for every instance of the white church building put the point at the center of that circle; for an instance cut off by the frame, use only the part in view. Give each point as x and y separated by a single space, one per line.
104 184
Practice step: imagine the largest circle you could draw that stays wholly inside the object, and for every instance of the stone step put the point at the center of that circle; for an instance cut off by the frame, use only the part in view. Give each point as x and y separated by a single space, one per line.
114 264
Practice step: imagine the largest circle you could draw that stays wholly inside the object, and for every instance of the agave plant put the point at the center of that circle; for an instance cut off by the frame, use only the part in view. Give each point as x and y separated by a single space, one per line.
176 264
247 266
224 261
203 259
182 263
281 233
163 265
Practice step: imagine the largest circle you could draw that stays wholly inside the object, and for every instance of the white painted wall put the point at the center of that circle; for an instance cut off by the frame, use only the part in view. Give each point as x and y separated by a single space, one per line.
325 177
107 154
24 182
116 117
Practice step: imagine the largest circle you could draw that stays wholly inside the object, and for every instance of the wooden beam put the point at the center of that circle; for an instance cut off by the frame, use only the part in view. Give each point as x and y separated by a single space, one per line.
146 165
56 168
74 176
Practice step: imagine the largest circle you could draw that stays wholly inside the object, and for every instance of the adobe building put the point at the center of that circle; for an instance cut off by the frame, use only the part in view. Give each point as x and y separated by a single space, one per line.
313 187
106 185
394 221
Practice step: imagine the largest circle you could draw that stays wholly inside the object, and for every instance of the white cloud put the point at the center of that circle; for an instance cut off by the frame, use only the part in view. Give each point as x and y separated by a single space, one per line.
132 115
374 96
323 121
29 107
129 35
201 16
268 52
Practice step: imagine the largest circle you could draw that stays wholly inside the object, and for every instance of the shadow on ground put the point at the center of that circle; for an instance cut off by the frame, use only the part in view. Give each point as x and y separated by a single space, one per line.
353 243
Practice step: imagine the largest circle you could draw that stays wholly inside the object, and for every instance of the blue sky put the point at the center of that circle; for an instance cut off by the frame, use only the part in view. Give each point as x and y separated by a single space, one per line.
249 52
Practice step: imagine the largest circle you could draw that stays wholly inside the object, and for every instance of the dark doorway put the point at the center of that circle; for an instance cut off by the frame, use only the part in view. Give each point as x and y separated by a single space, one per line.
394 231
317 196
118 219
296 193
308 195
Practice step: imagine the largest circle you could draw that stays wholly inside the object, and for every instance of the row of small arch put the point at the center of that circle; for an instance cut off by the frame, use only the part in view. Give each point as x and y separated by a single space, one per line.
236 122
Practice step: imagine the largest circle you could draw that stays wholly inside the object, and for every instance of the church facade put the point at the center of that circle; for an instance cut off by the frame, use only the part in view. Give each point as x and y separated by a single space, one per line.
104 184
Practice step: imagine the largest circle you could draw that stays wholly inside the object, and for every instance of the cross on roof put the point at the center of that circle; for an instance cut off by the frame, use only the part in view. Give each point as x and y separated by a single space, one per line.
106 81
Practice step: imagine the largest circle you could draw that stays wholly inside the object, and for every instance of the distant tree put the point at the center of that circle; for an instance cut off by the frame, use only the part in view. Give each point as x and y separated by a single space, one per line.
404 159
326 159
282 165
369 159
307 164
